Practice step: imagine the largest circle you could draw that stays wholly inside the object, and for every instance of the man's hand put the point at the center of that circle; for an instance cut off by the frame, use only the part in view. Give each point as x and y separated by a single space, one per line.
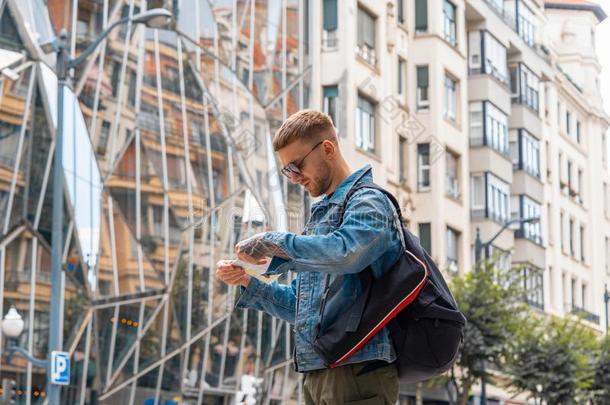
256 249
230 274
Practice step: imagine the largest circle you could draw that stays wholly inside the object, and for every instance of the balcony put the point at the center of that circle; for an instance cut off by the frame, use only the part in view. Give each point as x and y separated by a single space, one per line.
498 8
583 313
534 303
367 54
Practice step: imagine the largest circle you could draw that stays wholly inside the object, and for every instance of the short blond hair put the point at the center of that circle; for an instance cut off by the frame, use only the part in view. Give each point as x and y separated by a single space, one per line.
305 125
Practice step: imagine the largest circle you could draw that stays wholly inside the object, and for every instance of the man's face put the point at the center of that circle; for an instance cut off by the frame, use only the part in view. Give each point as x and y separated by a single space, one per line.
312 159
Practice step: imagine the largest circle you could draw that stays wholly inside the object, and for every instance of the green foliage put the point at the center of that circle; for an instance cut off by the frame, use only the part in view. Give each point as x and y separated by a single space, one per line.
552 359
492 301
601 386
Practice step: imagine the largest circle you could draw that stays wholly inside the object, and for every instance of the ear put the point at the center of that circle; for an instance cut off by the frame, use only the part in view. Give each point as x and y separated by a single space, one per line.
330 149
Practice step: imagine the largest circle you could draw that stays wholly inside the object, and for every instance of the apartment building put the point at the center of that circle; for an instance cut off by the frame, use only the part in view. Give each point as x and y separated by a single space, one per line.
484 117
400 104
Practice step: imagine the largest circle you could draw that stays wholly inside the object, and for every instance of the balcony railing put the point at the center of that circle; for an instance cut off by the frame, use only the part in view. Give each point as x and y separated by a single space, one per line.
583 313
534 237
510 20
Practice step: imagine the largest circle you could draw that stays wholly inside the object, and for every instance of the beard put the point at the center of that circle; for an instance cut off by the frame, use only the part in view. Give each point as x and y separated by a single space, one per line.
319 184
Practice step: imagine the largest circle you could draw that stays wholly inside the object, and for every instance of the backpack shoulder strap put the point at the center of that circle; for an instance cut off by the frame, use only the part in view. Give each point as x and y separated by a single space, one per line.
373 186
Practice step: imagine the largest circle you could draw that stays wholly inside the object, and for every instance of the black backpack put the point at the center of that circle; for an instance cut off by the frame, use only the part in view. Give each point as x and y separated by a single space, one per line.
411 298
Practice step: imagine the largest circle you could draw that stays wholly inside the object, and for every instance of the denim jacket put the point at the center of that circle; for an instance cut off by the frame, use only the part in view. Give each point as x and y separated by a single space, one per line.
366 236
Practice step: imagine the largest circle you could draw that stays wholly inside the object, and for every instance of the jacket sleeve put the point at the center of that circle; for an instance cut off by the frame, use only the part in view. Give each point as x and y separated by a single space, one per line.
278 300
364 235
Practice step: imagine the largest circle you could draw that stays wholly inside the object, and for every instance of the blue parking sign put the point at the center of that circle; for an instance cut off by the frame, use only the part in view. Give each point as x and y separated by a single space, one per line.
60 368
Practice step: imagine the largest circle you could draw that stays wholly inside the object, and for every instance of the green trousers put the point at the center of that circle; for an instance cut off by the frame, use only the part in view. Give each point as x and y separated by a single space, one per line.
346 385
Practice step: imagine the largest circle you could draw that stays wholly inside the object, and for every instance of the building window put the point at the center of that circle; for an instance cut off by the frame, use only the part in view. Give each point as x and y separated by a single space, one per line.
571 237
570 183
452 174
453 237
477 195
423 102
528 156
450 101
529 208
329 38
425 237
449 22
365 125
421 15
401 89
116 72
487 55
131 93
489 197
403 147
102 143
533 287
568 123
578 134
607 254
489 126
562 230
423 166
524 86
400 11
582 243
550 226
580 191
497 192
526 24
331 100
476 123
366 36
496 128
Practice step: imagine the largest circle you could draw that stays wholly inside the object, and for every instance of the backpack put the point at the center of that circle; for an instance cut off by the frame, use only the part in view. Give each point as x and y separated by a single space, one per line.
411 298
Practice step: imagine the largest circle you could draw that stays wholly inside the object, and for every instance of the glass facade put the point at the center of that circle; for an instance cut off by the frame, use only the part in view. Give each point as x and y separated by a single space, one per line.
167 135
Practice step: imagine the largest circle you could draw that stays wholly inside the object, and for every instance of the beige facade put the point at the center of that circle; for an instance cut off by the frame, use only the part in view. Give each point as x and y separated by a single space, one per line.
514 124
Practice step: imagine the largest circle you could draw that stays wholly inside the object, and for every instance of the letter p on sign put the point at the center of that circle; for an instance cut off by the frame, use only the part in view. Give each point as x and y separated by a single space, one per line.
60 368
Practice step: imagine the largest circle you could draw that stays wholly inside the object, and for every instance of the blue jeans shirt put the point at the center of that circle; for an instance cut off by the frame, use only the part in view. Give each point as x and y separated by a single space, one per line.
366 236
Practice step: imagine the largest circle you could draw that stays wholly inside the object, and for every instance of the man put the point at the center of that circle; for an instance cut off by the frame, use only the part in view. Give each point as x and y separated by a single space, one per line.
308 149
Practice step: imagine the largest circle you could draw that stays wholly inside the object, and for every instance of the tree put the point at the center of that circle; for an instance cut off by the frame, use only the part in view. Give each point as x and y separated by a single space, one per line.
601 385
552 359
492 301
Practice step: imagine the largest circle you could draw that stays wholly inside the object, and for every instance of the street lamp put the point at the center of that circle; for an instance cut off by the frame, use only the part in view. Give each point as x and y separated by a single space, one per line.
12 327
12 324
606 299
154 18
478 247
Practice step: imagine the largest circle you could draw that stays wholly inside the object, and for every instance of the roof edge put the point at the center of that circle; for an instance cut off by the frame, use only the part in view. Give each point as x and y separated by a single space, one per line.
594 8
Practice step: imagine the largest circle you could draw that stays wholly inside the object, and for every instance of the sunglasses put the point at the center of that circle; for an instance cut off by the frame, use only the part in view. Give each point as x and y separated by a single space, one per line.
294 168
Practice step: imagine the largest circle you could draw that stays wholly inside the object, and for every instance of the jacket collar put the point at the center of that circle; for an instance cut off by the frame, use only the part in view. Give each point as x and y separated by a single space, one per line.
364 174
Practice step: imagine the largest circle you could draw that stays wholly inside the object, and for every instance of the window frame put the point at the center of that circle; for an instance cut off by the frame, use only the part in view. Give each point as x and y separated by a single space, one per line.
371 143
423 104
450 98
450 23
423 167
